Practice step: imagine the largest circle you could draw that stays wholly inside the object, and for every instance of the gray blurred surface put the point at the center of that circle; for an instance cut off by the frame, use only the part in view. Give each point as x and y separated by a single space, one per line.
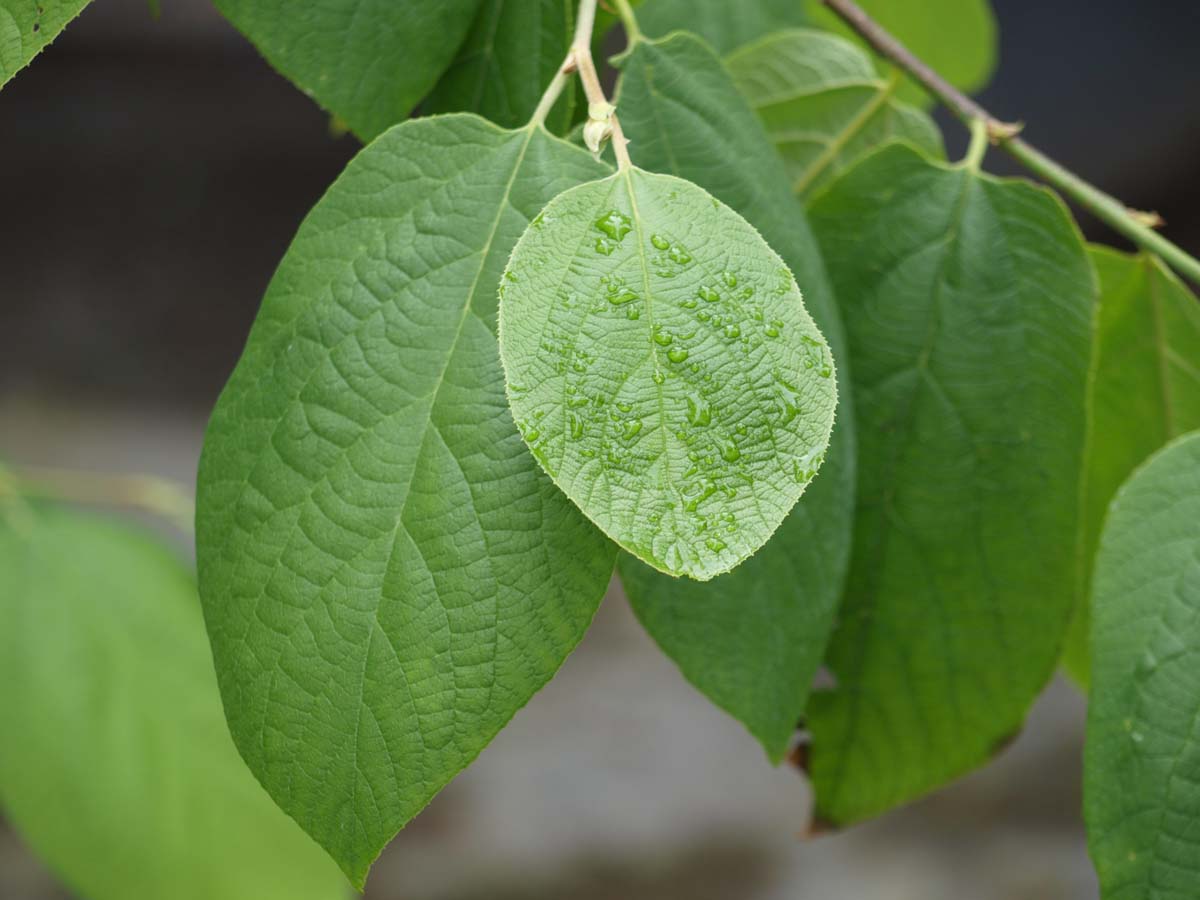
620 782
151 175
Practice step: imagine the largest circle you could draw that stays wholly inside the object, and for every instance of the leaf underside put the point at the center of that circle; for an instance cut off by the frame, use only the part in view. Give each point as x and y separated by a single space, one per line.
369 62
968 302
750 640
1142 760
387 575
1146 391
124 779
662 368
27 26
823 105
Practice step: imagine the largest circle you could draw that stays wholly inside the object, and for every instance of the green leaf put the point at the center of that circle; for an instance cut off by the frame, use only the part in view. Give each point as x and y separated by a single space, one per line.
750 640
369 62
968 301
663 369
1142 760
956 38
823 105
123 778
510 55
387 575
27 26
724 25
1146 391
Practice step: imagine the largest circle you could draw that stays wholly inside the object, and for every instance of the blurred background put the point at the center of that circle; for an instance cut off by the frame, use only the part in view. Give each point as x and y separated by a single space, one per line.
152 172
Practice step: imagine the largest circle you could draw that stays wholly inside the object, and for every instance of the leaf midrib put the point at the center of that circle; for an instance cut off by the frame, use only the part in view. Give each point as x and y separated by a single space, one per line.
851 130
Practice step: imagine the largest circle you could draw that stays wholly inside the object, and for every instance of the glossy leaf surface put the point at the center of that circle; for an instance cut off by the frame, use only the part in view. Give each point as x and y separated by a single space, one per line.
823 104
750 640
509 57
124 779
369 62
1142 762
968 303
663 370
387 575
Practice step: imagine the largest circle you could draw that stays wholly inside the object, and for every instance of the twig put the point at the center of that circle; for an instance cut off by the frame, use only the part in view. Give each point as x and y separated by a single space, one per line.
148 493
581 57
1133 224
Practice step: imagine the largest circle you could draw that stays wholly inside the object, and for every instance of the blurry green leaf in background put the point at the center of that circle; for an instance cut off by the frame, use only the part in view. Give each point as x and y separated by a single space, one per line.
824 105
956 38
116 764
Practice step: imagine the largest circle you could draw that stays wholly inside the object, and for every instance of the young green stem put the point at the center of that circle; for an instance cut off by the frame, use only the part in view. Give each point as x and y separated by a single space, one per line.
581 56
978 146
553 90
1134 225
143 492
628 21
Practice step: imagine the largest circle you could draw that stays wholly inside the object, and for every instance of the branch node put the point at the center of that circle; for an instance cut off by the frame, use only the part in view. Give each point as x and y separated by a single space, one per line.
999 132
1149 218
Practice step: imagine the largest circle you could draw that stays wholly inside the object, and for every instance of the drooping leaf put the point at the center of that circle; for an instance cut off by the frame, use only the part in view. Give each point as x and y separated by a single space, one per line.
968 303
387 576
823 104
116 765
957 38
27 26
724 25
663 369
752 639
1146 391
369 62
1142 760
509 57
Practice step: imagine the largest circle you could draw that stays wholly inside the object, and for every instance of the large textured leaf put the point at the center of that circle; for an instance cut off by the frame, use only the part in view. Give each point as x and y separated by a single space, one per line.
663 369
956 37
751 640
387 576
1142 762
968 302
1146 391
27 26
823 105
723 24
511 53
367 61
116 765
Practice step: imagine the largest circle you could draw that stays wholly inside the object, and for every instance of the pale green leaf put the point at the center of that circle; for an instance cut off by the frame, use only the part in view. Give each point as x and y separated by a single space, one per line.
116 766
968 303
1146 391
957 38
823 104
752 639
724 25
369 62
387 575
27 26
509 57
663 369
1142 760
